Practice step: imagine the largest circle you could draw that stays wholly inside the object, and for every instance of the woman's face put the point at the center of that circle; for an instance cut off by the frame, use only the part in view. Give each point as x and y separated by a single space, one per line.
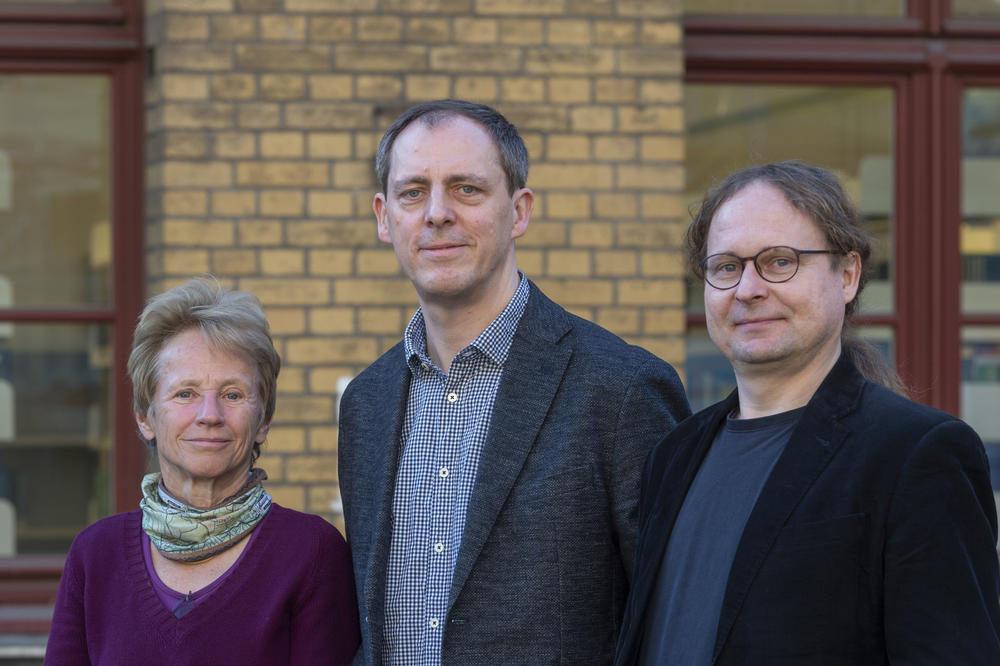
204 418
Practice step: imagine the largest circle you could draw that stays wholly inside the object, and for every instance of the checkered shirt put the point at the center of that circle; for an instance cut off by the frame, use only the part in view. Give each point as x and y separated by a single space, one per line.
444 429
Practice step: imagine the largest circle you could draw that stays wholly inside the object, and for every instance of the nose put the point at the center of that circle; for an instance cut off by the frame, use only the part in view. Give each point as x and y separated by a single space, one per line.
751 286
209 410
438 211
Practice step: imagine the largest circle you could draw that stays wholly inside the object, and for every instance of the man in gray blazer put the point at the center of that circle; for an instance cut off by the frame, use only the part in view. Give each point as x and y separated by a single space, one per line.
489 462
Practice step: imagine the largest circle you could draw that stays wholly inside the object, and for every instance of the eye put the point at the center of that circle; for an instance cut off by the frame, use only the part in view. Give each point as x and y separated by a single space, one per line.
468 189
410 194
233 396
185 394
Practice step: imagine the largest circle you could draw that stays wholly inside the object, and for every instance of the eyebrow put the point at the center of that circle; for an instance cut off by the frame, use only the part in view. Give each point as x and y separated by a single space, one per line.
470 178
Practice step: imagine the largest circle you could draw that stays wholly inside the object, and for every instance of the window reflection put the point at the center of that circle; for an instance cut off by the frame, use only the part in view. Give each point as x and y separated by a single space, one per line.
800 8
980 234
966 8
981 390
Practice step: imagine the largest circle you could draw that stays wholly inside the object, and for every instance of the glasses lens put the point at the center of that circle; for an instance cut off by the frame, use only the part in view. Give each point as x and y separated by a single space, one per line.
778 264
723 270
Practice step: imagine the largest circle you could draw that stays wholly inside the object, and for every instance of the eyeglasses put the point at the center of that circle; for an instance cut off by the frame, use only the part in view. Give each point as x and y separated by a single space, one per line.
774 264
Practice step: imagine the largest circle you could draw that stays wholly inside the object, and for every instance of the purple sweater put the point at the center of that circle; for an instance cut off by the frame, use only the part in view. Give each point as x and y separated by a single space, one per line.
290 600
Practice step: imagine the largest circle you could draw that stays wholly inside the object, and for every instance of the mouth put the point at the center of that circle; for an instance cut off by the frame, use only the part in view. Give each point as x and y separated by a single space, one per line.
441 249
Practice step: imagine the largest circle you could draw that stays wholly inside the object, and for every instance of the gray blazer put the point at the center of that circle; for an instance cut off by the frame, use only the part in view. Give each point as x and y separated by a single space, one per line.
544 565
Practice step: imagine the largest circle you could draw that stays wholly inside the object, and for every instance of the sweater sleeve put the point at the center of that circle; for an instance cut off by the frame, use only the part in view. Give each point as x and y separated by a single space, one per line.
67 645
324 627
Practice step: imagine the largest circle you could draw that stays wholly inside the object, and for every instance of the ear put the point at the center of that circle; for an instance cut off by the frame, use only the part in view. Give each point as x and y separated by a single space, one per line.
262 432
524 201
851 273
145 427
380 207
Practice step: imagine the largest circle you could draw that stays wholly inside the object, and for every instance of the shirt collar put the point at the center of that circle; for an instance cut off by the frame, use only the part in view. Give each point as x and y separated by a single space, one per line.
494 341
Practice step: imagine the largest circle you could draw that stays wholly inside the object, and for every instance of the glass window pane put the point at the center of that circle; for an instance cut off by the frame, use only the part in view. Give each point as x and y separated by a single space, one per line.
731 126
54 430
980 235
798 7
975 8
60 2
981 390
55 240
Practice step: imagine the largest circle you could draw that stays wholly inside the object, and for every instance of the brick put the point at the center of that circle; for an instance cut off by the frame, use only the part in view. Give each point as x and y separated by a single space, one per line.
522 31
287 291
197 115
331 321
663 321
380 57
380 28
650 119
330 350
570 32
470 30
185 262
475 58
331 86
531 262
615 205
281 203
286 439
650 292
184 202
565 89
287 321
277 174
282 27
661 148
259 115
326 145
272 57
591 234
420 87
662 263
670 350
342 6
197 174
324 203
282 144
324 438
373 291
569 60
234 144
373 86
353 174
230 261
615 263
650 177
331 262
331 29
520 7
342 233
292 380
289 496
576 176
184 87
323 499
283 261
522 89
645 235
234 203
275 465
592 119
658 205
185 27
428 6
377 262
194 57
259 232
651 61
614 33
428 30
665 91
661 33
477 88
387 321
646 9
622 321
282 86
591 7
197 232
573 292
328 115
544 234
614 90
568 263
538 118
568 147
234 28
615 148
305 409
234 86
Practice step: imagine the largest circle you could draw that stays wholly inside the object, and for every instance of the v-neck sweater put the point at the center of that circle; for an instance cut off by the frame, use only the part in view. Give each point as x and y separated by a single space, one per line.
289 600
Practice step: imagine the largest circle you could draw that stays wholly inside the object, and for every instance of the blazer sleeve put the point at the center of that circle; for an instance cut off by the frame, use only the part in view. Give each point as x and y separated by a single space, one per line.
653 404
941 577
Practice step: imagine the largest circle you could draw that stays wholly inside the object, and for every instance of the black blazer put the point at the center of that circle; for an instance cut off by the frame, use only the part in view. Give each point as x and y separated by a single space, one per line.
872 542
546 555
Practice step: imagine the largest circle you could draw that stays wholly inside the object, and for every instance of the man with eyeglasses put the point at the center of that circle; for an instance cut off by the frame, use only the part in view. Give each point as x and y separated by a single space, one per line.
816 515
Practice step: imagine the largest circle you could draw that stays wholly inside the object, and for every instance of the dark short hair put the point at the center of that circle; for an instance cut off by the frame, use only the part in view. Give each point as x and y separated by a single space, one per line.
232 321
510 146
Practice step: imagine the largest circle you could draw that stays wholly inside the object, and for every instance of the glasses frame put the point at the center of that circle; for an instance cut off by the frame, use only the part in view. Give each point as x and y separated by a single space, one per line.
743 262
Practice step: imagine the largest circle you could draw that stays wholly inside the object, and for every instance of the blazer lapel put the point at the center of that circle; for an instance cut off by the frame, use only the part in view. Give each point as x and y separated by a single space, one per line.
531 377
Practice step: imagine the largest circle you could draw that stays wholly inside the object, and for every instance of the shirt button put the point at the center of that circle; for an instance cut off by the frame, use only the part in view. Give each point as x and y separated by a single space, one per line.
443 472
425 367
452 397
439 548
435 623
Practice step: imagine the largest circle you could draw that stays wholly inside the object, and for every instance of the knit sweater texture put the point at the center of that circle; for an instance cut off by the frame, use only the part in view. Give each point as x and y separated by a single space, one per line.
289 600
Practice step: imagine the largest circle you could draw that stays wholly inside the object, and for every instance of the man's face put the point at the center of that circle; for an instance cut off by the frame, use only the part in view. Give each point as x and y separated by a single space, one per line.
449 215
788 327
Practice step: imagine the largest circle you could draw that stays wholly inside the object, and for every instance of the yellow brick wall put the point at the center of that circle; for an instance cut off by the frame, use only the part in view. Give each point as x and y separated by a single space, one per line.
262 121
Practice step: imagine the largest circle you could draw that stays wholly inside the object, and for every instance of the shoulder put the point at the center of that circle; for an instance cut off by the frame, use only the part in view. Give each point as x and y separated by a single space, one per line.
107 542
303 528
387 368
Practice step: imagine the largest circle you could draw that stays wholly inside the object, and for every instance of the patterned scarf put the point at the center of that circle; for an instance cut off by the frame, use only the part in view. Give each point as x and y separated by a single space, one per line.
185 534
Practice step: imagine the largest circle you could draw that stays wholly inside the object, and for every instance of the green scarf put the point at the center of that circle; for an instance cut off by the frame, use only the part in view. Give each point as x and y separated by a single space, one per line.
185 534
